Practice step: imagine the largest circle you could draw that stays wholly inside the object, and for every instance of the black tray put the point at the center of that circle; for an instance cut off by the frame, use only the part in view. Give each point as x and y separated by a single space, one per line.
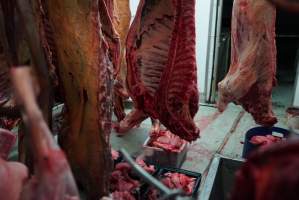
181 171
138 194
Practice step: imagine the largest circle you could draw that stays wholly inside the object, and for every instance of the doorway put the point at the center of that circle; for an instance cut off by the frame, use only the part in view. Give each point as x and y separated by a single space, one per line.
287 42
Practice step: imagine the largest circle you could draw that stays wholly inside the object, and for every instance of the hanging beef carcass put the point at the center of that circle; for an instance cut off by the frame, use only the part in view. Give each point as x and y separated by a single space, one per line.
106 9
21 45
85 70
161 66
121 20
12 50
52 178
269 173
106 12
251 75
115 24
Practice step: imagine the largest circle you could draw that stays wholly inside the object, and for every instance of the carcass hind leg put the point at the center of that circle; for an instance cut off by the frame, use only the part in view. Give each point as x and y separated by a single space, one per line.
119 109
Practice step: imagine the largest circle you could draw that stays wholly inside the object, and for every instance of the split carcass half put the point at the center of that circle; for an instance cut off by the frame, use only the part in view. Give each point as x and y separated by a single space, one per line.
252 72
111 36
52 178
107 12
21 45
121 20
162 67
86 75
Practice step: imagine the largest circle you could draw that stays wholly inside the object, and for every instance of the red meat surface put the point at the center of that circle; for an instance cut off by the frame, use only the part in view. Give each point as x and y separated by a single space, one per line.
265 140
149 168
179 181
251 76
167 141
174 181
123 185
120 179
7 141
52 179
269 173
13 176
162 77
122 196
114 154
8 124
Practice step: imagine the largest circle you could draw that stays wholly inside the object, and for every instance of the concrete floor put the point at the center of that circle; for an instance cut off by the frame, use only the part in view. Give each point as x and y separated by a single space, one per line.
220 133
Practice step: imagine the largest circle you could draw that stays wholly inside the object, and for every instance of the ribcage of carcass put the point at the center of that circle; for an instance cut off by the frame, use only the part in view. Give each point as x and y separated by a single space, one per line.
153 44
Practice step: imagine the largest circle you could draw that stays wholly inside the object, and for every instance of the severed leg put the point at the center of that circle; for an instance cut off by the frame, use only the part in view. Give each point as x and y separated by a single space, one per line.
119 95
53 178
13 176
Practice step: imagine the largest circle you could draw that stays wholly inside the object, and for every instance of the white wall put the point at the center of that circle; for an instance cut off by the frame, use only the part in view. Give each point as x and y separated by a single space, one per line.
296 97
203 12
203 16
133 6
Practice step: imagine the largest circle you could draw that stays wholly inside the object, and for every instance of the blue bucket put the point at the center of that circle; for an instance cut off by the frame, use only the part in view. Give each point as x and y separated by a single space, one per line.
260 131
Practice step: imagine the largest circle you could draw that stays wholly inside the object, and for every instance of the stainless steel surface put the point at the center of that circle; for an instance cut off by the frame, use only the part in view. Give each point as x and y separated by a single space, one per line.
220 178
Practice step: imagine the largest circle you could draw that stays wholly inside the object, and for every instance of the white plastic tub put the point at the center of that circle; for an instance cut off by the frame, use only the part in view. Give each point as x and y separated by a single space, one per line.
162 158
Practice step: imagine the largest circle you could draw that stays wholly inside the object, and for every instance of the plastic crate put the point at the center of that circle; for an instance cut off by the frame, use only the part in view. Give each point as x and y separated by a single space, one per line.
162 158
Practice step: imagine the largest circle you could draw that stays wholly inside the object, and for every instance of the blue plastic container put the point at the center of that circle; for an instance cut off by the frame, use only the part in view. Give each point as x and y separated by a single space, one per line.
260 131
